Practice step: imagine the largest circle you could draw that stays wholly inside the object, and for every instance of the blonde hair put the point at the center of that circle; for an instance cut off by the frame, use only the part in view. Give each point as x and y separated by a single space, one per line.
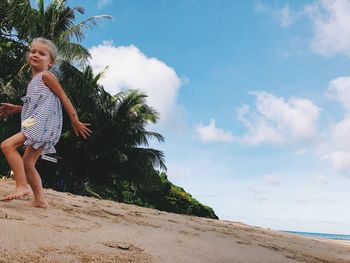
52 47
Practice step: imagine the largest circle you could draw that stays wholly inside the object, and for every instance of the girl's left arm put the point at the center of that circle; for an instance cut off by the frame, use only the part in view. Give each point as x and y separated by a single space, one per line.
79 128
9 108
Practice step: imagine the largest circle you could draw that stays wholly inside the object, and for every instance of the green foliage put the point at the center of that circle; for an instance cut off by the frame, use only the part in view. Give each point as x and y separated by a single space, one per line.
163 195
55 22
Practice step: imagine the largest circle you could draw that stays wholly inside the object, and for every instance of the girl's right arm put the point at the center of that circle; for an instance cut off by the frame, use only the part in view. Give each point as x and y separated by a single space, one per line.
52 83
8 108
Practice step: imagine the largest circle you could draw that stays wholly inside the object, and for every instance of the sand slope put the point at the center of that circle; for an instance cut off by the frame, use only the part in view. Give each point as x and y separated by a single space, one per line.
82 229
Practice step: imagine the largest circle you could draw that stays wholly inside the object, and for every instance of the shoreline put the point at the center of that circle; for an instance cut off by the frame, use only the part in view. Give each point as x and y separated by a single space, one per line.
321 236
320 239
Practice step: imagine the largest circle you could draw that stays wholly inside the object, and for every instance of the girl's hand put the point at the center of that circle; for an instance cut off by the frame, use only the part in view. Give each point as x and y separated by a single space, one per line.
8 108
81 129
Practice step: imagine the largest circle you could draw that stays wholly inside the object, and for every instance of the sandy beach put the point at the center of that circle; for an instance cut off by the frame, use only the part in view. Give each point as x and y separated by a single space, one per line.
83 229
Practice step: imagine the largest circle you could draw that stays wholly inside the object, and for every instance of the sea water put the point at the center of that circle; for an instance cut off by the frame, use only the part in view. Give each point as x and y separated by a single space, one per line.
321 235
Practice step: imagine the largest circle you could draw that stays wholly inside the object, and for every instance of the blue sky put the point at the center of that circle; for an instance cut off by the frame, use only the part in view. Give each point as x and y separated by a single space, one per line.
254 98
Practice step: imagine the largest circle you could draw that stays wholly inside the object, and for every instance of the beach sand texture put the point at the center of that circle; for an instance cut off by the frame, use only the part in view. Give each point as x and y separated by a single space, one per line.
83 229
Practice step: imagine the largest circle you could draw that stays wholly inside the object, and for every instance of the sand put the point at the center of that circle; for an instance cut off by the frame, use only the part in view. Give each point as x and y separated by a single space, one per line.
84 229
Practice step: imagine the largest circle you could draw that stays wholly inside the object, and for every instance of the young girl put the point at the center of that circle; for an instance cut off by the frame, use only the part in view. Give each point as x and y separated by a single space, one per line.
41 117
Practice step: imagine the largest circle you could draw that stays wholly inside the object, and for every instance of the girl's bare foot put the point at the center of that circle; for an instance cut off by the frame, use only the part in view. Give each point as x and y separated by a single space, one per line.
38 204
18 193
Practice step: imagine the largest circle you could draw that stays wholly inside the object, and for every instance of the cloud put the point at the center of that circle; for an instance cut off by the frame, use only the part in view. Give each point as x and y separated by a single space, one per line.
175 172
256 191
330 20
337 144
339 89
301 151
285 16
260 198
278 121
211 133
272 180
260 8
322 179
129 68
340 134
103 3
340 161
316 200
337 147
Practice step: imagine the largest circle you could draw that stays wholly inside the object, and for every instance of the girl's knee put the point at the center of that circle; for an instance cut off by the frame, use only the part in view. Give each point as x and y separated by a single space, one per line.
13 142
3 146
6 146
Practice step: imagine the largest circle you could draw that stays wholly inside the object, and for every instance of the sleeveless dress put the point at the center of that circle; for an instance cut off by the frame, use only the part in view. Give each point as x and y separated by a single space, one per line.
41 116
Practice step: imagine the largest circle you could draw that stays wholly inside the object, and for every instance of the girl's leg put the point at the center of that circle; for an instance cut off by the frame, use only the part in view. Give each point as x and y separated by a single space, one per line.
14 159
30 157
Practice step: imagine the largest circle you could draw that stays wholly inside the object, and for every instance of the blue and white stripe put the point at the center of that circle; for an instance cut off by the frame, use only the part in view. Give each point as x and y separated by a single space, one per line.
45 107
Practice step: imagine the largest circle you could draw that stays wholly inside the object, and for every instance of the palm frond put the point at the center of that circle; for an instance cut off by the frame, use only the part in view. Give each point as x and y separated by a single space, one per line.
143 157
41 7
77 31
16 87
73 52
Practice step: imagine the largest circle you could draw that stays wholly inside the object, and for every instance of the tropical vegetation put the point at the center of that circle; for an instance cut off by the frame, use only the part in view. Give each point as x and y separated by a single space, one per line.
115 162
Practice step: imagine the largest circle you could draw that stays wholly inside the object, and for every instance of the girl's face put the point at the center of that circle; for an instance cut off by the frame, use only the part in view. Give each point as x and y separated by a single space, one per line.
39 57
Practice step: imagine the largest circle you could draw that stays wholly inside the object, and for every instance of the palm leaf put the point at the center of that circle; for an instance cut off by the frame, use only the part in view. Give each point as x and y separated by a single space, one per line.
77 31
70 52
145 156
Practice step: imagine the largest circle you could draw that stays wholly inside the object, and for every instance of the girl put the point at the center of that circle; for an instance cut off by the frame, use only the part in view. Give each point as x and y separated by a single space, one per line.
41 117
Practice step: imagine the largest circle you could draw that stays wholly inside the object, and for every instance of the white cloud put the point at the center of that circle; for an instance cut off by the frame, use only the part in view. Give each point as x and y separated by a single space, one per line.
260 198
337 144
301 151
340 160
322 179
339 89
211 133
278 121
330 19
256 191
341 135
336 147
129 68
286 17
272 180
103 3
316 200
260 8
176 172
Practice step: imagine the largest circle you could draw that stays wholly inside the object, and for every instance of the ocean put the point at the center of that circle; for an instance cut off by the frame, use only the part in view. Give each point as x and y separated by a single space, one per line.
321 235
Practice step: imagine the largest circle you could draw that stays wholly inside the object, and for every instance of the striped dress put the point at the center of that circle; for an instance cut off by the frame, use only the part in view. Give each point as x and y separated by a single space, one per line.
41 116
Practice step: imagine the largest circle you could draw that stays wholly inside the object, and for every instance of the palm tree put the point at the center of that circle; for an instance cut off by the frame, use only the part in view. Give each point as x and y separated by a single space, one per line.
118 146
55 22
11 50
